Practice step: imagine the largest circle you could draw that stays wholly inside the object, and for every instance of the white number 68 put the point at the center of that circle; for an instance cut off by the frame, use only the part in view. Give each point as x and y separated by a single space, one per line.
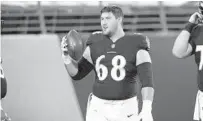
102 70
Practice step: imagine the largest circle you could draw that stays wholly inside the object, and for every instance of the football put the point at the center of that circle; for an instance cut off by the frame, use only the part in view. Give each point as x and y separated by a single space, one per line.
75 44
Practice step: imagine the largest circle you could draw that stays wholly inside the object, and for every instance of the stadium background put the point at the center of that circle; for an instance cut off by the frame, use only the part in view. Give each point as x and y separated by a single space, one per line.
39 88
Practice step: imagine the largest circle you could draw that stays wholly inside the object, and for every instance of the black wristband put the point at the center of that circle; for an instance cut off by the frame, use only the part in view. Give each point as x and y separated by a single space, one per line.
189 26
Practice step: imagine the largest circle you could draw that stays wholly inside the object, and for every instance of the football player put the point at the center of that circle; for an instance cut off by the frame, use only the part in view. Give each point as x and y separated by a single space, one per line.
190 42
4 116
117 59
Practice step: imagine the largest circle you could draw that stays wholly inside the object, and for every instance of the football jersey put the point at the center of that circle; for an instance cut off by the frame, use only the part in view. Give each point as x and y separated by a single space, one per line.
196 41
115 65
3 83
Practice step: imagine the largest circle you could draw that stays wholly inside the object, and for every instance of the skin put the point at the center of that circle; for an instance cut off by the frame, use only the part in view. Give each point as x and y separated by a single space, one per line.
182 48
112 27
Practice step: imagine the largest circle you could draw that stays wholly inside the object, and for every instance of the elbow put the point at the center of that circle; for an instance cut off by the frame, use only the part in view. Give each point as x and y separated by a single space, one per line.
76 77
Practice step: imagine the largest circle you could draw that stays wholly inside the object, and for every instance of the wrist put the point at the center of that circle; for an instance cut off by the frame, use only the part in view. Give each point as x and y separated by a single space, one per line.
147 105
189 26
66 59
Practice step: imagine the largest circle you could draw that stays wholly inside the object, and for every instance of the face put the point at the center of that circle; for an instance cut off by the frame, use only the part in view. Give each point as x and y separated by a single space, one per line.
109 23
201 7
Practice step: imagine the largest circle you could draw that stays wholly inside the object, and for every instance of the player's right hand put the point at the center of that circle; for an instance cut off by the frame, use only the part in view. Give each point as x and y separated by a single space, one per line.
195 17
64 46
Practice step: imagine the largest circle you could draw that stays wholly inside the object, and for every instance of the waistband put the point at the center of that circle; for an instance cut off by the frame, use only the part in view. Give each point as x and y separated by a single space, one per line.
104 101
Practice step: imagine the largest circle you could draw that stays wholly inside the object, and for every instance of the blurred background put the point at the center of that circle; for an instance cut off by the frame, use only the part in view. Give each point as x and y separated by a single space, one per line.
39 87
60 17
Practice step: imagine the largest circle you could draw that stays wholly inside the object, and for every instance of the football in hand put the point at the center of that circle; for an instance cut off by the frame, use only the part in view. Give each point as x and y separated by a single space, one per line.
75 44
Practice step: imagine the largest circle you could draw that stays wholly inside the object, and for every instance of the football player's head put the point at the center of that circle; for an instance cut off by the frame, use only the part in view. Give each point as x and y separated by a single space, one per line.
111 19
201 7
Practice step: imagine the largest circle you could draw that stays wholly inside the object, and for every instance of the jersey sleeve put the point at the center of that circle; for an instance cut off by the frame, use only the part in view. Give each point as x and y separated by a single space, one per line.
144 43
84 68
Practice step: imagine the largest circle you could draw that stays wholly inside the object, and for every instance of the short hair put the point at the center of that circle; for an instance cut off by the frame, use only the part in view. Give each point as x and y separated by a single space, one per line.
117 11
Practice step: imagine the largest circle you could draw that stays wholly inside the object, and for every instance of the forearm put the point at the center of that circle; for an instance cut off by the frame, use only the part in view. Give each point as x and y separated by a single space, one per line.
147 93
147 97
78 70
146 78
70 65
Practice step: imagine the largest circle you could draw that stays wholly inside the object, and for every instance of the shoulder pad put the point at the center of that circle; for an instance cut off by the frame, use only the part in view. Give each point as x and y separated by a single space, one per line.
138 33
97 32
144 41
94 37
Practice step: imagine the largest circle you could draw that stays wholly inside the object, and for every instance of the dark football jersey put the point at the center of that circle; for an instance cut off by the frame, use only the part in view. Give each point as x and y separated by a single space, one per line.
196 41
115 65
3 83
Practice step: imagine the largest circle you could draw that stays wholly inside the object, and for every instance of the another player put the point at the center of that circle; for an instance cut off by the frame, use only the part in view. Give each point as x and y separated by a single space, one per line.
117 59
4 116
189 42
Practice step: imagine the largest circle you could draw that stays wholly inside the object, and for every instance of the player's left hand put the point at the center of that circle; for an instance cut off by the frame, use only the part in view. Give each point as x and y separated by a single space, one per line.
146 112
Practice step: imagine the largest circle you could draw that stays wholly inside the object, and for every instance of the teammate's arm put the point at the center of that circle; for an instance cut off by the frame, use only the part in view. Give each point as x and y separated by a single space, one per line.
182 47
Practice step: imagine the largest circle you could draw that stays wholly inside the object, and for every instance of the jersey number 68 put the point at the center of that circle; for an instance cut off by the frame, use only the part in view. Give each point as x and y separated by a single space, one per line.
118 63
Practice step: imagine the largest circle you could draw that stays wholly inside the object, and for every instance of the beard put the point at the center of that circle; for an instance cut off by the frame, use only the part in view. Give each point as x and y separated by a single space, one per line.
107 33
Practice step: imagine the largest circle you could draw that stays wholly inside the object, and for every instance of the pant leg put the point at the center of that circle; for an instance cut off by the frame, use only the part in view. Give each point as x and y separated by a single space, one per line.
125 110
112 110
201 105
93 112
131 110
198 111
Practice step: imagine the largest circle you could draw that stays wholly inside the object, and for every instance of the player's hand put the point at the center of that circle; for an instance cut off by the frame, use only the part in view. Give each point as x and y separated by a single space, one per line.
64 46
146 112
145 116
195 17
